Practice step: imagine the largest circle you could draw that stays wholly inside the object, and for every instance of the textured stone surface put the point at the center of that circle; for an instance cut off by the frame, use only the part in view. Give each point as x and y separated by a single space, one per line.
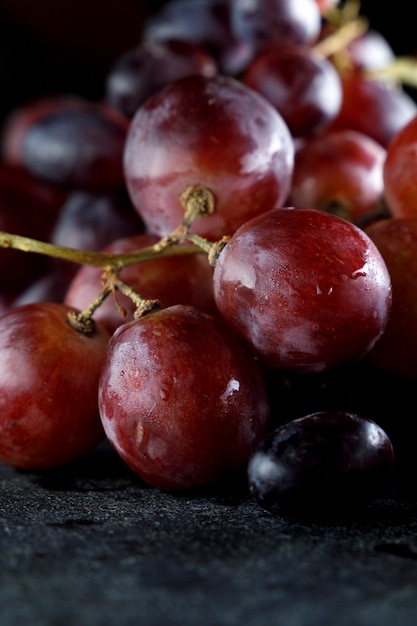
92 545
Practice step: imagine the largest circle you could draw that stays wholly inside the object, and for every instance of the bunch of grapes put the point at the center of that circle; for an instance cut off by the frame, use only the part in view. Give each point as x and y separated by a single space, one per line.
196 267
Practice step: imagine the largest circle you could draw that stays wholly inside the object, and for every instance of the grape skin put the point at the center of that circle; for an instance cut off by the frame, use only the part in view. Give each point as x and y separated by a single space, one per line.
48 387
143 70
340 172
399 172
81 148
208 23
305 289
323 463
181 399
396 350
303 86
231 141
376 108
266 22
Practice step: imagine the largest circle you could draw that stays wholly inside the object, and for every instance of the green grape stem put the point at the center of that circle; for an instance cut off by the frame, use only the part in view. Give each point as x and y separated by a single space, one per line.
197 202
102 260
337 41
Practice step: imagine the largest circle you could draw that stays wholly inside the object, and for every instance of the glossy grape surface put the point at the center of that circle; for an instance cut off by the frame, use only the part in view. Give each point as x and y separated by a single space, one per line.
181 400
224 137
306 290
303 86
213 132
321 464
48 387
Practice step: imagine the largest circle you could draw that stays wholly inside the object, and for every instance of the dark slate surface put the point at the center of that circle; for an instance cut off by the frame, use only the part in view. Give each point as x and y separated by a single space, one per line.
92 545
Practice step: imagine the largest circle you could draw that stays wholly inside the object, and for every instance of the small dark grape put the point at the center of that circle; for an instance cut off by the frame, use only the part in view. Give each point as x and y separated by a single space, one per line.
322 464
266 22
143 70
208 23
90 221
80 148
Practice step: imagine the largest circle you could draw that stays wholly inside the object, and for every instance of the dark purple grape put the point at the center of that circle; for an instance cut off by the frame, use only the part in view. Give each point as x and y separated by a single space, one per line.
321 465
262 23
86 221
143 70
90 221
80 148
204 22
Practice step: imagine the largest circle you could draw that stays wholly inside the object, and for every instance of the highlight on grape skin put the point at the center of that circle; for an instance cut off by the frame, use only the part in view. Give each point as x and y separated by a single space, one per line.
213 190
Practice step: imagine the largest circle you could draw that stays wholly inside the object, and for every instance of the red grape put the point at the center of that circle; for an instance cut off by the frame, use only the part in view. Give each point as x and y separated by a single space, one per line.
307 312
181 399
396 350
214 132
305 289
400 183
340 172
303 86
373 107
48 387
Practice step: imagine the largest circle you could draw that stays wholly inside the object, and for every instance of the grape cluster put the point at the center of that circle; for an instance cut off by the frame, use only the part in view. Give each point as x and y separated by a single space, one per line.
189 261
